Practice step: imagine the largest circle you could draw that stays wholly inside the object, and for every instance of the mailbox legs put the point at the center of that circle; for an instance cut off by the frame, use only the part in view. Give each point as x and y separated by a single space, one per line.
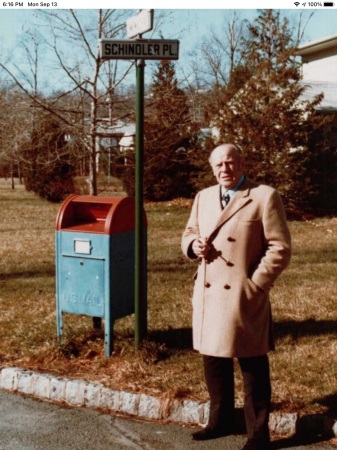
108 341
97 323
59 325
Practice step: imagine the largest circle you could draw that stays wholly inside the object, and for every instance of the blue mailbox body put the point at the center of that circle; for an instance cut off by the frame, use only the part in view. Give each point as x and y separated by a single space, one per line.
95 260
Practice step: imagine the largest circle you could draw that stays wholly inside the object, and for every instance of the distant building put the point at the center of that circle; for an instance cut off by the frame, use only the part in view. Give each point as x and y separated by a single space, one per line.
119 135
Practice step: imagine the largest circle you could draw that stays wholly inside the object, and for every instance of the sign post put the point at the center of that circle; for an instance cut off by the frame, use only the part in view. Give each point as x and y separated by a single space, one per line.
140 251
139 50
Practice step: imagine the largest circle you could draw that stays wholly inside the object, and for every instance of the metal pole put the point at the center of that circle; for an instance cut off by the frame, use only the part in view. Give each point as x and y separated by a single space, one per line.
140 250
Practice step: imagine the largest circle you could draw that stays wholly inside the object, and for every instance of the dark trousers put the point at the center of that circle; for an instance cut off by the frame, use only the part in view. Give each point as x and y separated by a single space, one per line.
219 376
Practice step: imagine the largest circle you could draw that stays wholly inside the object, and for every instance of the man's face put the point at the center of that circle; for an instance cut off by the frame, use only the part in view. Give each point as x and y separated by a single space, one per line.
227 166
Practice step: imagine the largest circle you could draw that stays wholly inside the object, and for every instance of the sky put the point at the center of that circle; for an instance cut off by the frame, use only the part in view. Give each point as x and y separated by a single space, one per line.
189 25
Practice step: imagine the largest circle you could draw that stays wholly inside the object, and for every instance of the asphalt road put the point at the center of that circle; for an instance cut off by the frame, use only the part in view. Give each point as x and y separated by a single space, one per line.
28 424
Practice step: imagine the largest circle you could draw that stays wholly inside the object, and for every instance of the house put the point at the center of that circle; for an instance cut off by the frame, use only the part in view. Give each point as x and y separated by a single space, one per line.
319 75
319 60
117 138
120 135
319 71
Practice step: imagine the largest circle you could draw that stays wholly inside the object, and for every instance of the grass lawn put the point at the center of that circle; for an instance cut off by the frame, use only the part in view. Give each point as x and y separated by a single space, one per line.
304 365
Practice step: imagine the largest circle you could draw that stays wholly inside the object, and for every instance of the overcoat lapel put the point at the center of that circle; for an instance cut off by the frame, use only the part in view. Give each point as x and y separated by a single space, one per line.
240 200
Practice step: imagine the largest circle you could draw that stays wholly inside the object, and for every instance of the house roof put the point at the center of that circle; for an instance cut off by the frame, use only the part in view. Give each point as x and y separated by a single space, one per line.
318 46
119 128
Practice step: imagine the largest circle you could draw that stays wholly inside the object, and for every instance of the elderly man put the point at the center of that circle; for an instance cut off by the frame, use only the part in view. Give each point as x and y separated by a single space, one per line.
237 231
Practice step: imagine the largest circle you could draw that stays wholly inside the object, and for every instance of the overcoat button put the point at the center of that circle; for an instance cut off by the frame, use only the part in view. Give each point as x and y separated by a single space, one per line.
230 239
207 285
227 286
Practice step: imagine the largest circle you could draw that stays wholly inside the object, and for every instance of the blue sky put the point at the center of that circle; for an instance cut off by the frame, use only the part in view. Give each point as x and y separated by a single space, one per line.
190 26
194 24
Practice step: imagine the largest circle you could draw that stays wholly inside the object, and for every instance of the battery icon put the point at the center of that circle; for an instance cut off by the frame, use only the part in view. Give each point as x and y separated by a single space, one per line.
328 4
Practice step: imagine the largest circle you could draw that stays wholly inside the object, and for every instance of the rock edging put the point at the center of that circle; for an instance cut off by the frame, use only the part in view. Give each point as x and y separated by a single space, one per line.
79 393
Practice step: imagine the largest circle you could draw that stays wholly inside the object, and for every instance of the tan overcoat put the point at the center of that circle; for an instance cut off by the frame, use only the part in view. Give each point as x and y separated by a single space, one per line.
250 246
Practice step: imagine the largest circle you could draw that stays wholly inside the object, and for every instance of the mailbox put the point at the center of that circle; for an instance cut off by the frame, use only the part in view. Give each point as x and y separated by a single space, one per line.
95 260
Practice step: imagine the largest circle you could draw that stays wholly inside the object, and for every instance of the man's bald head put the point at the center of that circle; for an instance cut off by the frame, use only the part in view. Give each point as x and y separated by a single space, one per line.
227 164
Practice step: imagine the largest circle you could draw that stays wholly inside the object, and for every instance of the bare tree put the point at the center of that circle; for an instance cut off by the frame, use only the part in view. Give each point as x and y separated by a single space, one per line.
71 37
220 53
216 61
14 128
301 25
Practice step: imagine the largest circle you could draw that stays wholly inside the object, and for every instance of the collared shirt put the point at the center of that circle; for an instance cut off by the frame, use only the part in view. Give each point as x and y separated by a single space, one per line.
231 192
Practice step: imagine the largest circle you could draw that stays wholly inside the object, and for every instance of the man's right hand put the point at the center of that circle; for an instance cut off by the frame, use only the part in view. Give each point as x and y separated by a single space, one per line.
200 247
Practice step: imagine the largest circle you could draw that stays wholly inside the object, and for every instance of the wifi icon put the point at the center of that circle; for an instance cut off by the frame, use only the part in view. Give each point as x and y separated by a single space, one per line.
296 3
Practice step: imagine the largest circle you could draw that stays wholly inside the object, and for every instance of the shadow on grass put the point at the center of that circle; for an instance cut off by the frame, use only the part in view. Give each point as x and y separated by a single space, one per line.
41 272
310 327
180 338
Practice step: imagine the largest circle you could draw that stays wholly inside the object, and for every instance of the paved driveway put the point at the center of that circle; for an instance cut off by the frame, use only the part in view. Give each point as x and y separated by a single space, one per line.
28 424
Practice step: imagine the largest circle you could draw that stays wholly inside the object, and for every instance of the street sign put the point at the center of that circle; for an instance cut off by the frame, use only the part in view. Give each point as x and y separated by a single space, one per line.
140 23
139 49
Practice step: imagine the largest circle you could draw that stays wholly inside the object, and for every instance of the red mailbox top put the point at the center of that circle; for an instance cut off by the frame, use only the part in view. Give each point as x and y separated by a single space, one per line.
98 215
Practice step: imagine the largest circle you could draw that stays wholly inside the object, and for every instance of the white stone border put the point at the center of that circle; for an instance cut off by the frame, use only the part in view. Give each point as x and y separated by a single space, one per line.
92 395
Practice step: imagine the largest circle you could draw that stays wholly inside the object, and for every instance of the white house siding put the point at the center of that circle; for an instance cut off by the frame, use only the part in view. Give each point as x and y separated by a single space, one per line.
322 69
329 89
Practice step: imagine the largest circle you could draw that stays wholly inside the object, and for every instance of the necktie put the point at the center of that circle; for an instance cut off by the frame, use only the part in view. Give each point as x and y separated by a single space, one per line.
225 199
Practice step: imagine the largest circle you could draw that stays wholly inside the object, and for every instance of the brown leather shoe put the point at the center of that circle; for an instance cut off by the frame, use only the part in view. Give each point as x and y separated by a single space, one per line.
210 433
